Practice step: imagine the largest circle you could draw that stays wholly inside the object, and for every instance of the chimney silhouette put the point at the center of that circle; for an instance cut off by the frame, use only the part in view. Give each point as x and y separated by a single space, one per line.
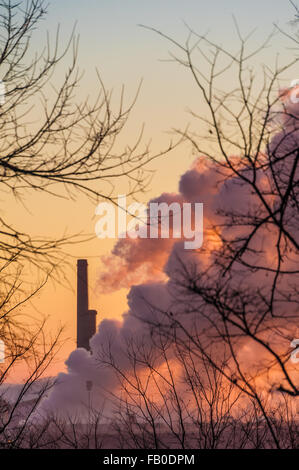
86 319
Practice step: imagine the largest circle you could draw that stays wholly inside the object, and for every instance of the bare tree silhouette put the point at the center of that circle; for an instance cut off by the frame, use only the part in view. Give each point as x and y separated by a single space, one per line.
214 370
50 142
246 293
49 139
174 397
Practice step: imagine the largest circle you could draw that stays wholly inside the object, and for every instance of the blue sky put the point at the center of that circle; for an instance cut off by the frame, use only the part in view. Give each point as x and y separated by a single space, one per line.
111 39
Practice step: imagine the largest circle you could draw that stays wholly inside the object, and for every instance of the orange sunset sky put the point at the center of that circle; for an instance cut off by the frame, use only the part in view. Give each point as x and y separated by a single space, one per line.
124 53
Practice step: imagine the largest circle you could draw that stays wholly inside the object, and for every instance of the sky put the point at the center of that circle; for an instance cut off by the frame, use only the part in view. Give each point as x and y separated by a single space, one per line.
112 41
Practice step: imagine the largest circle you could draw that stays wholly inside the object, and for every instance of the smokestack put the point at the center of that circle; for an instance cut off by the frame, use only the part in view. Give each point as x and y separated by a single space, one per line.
86 319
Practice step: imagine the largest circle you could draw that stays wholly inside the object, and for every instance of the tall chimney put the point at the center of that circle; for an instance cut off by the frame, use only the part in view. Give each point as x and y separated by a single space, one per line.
86 319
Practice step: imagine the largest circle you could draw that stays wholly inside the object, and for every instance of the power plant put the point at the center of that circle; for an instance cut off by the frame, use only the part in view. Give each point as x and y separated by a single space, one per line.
86 319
